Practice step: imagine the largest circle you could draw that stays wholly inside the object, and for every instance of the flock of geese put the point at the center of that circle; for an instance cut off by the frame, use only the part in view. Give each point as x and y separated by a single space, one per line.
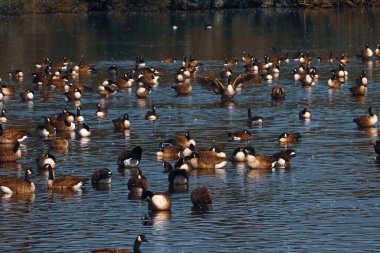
51 80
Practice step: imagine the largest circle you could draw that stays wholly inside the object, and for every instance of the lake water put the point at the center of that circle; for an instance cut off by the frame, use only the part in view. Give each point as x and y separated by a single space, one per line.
328 201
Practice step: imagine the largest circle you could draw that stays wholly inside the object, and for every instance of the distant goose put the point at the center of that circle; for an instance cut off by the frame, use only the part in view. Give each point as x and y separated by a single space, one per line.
83 130
130 158
369 120
152 114
258 161
335 83
201 198
101 111
17 185
253 120
289 137
122 122
359 90
159 201
27 95
243 135
64 183
305 114
73 95
136 247
137 184
101 176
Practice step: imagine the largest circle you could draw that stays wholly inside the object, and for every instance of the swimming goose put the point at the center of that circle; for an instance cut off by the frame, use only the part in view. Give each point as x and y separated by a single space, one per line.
278 93
284 157
73 95
83 130
130 158
238 155
182 141
335 83
369 120
289 137
47 158
176 176
136 247
159 201
47 129
64 183
169 152
359 90
253 120
12 135
203 160
152 114
101 111
3 117
201 197
137 184
305 114
125 83
122 122
258 161
101 176
9 153
243 135
27 95
17 185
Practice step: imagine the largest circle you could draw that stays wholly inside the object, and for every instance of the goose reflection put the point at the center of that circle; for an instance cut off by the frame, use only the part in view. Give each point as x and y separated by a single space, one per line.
157 219
18 198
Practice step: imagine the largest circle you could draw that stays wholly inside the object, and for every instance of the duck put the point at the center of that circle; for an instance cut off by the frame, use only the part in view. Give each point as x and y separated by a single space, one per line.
73 183
258 161
101 176
73 95
335 83
238 155
130 158
286 137
3 117
10 153
305 114
47 158
152 114
243 135
278 93
122 123
177 176
376 147
159 201
369 120
182 141
12 135
27 95
137 184
83 130
17 185
253 120
203 160
136 247
201 197
101 111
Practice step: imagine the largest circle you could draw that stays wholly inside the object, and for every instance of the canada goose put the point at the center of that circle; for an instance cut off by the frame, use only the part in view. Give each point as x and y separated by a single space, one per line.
76 94
27 95
258 161
344 58
334 82
71 87
226 92
140 62
201 197
58 144
369 120
238 155
228 62
12 135
367 53
278 93
122 122
143 90
225 73
377 51
182 141
362 78
204 160
47 129
17 185
159 201
152 114
58 83
125 82
289 137
113 69
137 184
101 176
341 72
217 152
47 158
63 125
182 89
101 111
169 152
177 176
190 62
376 146
78 116
3 117
305 114
10 153
243 135
64 183
359 90
130 158
284 157
7 90
328 59
83 130
83 68
136 247
181 75
168 60
246 58
253 120
107 88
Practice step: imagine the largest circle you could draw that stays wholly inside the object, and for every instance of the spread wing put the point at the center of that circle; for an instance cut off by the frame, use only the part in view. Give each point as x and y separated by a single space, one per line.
242 78
211 83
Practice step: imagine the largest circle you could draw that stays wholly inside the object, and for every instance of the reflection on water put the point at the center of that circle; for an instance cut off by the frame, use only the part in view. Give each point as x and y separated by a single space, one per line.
328 197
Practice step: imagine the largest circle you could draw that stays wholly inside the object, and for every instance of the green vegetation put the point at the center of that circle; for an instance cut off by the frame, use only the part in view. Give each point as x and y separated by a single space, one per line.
20 7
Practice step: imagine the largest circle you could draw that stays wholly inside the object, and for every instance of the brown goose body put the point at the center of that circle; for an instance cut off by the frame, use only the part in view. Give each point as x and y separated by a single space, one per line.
182 141
258 161
64 183
201 196
206 161
289 137
137 184
369 120
122 122
17 185
10 153
136 247
243 135
12 135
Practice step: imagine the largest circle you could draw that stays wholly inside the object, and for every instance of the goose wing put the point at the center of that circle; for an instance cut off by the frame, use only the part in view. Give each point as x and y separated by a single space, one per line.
211 83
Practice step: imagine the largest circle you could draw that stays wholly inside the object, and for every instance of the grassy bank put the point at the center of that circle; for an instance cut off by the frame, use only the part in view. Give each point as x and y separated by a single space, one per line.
20 7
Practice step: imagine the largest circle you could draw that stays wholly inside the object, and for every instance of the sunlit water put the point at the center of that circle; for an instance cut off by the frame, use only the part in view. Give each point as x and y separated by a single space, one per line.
328 201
